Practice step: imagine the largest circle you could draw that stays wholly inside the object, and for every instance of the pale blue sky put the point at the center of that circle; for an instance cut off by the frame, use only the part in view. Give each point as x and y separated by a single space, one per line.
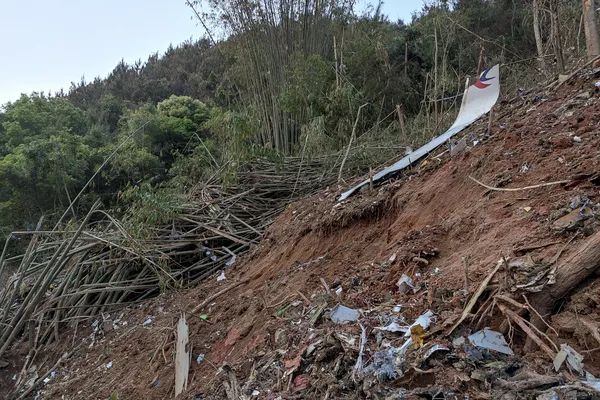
48 44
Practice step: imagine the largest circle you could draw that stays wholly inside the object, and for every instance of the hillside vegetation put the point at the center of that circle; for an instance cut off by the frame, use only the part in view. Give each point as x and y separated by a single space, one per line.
285 81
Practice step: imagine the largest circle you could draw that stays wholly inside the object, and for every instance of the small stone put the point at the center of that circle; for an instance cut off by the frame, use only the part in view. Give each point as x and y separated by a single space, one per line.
561 142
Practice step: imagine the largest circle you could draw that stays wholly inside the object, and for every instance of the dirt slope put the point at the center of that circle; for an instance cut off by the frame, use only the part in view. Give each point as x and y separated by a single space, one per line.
269 332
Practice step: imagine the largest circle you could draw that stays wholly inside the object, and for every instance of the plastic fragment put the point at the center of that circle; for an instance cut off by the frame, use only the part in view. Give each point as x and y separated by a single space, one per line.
341 314
109 365
490 340
221 276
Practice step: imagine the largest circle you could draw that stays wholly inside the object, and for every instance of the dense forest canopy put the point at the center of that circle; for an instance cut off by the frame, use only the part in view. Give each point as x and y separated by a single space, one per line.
289 79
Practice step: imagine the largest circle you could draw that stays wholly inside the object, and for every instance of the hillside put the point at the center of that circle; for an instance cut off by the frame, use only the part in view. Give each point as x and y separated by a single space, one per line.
265 331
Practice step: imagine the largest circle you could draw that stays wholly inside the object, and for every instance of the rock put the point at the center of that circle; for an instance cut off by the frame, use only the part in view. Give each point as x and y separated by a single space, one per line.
561 142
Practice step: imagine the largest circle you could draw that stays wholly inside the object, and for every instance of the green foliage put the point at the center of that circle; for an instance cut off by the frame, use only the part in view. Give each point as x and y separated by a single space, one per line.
148 206
271 88
38 116
39 175
310 79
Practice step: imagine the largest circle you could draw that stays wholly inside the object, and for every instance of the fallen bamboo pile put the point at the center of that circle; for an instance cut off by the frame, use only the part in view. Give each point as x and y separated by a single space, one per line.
66 276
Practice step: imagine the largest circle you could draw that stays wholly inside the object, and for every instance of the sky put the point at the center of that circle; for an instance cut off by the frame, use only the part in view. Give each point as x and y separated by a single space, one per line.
46 45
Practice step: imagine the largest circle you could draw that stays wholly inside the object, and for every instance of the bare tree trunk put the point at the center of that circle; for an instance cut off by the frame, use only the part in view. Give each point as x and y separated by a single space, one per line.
556 36
583 263
538 35
591 28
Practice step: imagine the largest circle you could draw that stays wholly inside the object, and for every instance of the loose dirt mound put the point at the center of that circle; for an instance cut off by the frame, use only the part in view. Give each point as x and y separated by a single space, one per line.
270 336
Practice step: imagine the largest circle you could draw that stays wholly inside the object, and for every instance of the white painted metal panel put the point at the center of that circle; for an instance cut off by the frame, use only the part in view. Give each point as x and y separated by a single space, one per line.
478 100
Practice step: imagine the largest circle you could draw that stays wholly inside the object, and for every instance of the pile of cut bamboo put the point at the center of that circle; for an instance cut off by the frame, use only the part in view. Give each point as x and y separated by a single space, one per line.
66 276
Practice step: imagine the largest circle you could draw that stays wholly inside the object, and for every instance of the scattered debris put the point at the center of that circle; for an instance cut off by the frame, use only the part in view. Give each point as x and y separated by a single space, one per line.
490 340
405 284
424 321
221 276
417 335
383 366
231 260
341 314
358 367
592 382
392 327
108 365
49 377
200 358
182 356
147 321
573 358
433 349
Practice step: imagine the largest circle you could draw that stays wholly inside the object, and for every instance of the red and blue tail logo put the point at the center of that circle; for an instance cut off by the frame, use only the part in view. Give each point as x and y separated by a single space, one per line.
481 82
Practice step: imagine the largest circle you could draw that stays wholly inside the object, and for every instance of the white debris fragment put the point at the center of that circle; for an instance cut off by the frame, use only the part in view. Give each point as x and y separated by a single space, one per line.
200 358
424 320
339 291
491 340
392 327
341 314
221 276
577 139
108 365
573 358
397 308
49 378
148 321
231 261
255 393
